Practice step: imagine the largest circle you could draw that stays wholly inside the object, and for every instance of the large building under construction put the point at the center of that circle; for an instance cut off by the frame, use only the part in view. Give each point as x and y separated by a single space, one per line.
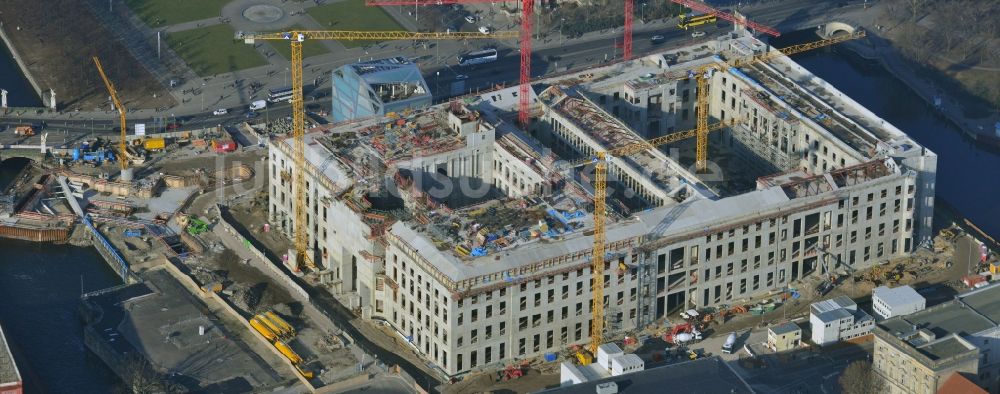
471 237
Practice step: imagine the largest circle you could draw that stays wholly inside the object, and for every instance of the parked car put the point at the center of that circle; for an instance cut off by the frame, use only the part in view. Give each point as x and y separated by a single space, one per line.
697 34
470 19
485 29
220 111
461 77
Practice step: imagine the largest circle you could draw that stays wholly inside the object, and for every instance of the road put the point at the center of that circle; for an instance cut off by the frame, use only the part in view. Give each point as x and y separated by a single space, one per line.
551 56
806 372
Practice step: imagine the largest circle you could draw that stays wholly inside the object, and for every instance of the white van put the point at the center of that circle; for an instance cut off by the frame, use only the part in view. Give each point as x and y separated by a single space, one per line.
257 105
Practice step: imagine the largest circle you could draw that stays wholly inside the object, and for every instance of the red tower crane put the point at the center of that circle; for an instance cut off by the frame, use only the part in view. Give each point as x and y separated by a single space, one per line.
627 42
527 9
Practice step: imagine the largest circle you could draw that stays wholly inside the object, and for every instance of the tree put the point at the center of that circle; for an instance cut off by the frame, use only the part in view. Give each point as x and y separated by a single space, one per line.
140 377
860 378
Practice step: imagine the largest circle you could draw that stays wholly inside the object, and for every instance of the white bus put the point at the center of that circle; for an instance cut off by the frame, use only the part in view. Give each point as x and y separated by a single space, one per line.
280 95
478 57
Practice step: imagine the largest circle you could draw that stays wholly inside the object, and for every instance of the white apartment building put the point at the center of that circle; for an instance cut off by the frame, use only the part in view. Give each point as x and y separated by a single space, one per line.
838 319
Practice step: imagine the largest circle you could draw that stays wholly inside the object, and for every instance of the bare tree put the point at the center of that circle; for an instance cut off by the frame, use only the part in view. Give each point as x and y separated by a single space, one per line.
915 6
859 378
140 377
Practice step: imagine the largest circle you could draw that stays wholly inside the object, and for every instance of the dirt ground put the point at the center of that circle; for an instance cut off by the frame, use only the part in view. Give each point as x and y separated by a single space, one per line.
57 46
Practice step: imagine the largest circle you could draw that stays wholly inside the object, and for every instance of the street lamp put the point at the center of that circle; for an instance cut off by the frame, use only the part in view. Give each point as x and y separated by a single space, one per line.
437 84
642 13
202 94
286 77
562 36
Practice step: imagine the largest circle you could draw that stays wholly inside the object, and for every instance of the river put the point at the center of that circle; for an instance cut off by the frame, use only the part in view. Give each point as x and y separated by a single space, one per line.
19 91
40 287
967 172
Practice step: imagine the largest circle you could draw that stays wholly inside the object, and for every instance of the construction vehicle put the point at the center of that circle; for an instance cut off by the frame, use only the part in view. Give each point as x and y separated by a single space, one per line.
511 372
196 226
682 333
262 329
281 323
727 348
24 131
122 152
303 256
288 352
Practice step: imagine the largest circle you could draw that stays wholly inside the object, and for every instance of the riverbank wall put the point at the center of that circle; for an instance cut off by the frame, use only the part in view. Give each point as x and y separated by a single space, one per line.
20 61
893 63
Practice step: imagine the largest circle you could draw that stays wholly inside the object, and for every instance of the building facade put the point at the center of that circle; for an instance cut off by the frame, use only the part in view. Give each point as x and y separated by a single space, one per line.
376 88
784 337
475 281
903 300
838 319
916 353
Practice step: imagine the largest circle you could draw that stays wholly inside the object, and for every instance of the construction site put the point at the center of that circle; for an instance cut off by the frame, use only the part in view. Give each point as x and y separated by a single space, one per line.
474 237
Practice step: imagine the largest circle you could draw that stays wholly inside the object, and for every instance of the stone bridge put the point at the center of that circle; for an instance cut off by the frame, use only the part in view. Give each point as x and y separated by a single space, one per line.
833 29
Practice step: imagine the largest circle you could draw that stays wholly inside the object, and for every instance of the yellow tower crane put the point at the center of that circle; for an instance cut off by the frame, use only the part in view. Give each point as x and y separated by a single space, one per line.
295 38
701 132
704 73
123 153
600 161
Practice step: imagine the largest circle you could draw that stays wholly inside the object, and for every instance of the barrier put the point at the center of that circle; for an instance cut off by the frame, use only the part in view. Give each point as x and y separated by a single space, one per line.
261 262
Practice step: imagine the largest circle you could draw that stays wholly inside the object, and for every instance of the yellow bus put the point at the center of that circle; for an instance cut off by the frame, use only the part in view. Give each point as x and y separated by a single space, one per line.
687 21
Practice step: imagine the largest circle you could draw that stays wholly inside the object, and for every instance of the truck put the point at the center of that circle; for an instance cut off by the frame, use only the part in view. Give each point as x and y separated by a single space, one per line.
727 348
154 144
258 105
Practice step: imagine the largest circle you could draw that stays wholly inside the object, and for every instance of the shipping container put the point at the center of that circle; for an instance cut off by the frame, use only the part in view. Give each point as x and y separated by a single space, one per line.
155 143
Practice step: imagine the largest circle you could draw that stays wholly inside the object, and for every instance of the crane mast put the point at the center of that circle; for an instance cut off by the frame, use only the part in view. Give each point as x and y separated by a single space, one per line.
122 151
302 255
701 133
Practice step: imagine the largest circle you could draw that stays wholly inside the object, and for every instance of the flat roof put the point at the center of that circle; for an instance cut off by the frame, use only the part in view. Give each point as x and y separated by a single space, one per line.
785 328
8 367
945 347
897 295
688 216
708 375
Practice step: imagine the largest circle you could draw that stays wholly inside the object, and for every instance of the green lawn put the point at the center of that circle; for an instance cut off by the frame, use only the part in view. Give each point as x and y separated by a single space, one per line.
353 15
212 50
309 47
157 13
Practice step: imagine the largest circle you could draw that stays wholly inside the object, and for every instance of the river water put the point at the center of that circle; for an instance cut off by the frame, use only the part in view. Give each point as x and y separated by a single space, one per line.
19 91
967 173
40 287
40 284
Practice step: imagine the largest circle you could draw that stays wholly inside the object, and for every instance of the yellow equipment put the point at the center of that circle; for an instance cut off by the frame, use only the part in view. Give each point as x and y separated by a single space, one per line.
286 328
701 132
154 144
305 374
270 325
263 330
295 38
123 153
288 352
